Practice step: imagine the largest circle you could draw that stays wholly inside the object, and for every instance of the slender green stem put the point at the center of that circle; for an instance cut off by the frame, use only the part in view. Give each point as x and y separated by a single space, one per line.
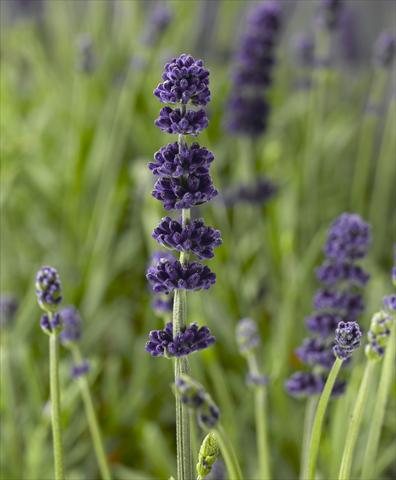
260 395
56 406
183 434
308 422
92 419
228 453
354 423
377 419
318 421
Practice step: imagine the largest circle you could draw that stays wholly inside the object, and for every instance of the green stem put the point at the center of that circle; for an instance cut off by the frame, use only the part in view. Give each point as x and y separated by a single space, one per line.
228 453
377 419
308 422
354 423
56 406
318 421
183 434
92 419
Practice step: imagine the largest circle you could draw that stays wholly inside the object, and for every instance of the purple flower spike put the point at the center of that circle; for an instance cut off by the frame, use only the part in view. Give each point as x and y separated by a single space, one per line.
194 237
48 289
178 193
331 273
71 332
185 80
167 275
323 323
347 337
349 238
390 302
191 339
174 160
176 122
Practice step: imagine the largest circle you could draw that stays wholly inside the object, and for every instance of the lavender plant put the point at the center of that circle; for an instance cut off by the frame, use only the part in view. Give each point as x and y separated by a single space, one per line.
70 337
49 296
183 182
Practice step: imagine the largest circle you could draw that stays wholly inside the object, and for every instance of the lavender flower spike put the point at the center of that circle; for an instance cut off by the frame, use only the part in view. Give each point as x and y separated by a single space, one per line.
48 289
8 309
347 337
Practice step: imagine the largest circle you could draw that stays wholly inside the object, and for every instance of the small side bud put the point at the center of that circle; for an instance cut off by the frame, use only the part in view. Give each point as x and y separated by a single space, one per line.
247 335
208 454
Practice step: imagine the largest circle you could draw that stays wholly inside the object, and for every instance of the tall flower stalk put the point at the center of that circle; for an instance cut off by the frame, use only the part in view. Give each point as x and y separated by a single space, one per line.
49 296
183 183
347 340
70 337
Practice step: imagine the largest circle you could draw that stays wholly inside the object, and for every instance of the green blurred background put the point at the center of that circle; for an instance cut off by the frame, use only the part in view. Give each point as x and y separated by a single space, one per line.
77 133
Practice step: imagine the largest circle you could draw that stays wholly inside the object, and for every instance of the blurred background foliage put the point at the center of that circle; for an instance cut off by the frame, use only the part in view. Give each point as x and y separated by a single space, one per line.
77 131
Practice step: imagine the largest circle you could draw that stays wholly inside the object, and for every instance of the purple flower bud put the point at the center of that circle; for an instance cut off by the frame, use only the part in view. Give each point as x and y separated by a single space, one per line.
349 238
256 193
178 193
71 332
158 23
247 335
331 273
176 122
185 80
8 309
191 339
390 302
162 305
347 337
80 369
194 237
316 351
50 325
169 275
302 384
175 161
48 289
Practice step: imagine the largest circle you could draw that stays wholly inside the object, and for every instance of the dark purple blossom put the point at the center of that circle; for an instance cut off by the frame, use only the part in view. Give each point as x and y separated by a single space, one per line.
80 369
385 49
48 289
50 325
255 193
316 351
176 121
331 273
390 302
347 338
195 236
71 332
175 161
323 323
169 275
8 309
248 114
351 304
349 238
304 384
185 80
178 193
189 340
